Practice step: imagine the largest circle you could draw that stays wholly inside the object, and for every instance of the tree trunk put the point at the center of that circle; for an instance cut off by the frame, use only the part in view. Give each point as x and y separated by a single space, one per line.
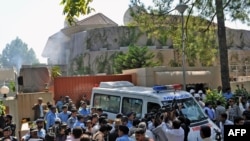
224 68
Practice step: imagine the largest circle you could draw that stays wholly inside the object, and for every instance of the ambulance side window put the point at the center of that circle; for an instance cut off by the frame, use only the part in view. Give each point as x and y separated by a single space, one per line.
132 105
108 103
152 107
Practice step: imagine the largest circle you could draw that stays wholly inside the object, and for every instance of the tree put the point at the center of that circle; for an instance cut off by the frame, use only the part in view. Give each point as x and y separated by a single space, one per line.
136 57
75 8
16 54
158 16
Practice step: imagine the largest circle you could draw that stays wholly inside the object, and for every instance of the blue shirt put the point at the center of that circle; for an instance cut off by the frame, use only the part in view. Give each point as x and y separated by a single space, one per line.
228 95
124 138
79 124
59 105
129 124
84 111
51 118
209 113
71 121
64 116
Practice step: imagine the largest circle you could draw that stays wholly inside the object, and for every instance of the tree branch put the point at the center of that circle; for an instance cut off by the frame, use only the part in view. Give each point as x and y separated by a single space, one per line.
211 21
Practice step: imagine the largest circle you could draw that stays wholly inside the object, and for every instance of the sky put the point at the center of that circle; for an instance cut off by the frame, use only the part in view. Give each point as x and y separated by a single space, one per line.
34 21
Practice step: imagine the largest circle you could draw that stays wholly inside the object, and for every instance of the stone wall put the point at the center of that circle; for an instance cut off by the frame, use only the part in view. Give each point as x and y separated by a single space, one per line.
95 45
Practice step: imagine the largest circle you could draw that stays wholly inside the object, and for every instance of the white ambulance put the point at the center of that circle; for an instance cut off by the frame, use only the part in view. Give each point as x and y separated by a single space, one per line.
124 97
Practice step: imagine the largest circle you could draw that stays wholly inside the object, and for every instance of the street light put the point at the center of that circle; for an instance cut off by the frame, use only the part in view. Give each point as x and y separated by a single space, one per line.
4 90
181 9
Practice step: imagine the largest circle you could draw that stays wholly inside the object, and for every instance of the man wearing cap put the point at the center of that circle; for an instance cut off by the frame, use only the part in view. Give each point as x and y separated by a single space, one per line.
192 91
51 117
40 131
197 98
8 122
39 109
7 134
202 95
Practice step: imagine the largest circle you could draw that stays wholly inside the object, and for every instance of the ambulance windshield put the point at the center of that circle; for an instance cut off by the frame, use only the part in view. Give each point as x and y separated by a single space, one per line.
189 109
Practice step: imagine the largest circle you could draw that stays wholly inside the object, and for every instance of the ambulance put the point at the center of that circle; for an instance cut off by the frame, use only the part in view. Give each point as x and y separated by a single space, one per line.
124 97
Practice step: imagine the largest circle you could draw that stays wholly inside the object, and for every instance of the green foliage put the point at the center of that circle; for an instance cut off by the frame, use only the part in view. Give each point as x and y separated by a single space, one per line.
79 67
2 108
56 71
200 46
12 86
241 92
212 96
17 53
136 57
129 37
75 8
155 20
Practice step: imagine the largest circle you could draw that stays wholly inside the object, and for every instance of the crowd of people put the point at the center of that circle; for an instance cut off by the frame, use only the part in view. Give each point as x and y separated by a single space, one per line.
236 111
69 121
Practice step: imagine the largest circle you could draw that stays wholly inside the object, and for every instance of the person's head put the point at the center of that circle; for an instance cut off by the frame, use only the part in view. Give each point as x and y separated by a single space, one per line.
94 118
228 90
117 122
77 132
208 104
239 121
124 120
64 108
89 123
80 117
93 110
105 128
74 112
218 102
192 91
119 115
85 137
102 120
7 131
40 100
200 92
176 124
131 116
123 130
40 123
135 122
231 102
139 134
99 111
53 109
83 104
33 133
142 125
8 118
197 96
205 131
223 117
